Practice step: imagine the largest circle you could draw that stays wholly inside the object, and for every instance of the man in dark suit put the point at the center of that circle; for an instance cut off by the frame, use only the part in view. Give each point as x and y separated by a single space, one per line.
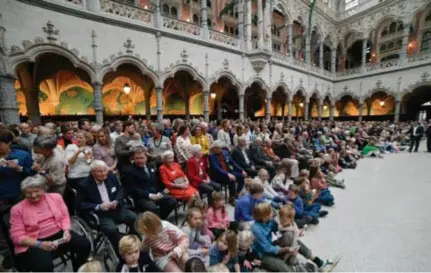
141 182
224 170
416 132
102 194
259 157
241 155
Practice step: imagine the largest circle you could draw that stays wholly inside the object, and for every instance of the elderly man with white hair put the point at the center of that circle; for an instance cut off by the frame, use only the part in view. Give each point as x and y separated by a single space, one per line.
103 194
225 170
197 173
259 157
241 155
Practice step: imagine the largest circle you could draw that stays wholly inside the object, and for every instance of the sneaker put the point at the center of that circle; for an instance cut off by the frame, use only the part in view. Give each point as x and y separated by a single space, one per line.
323 213
329 265
315 221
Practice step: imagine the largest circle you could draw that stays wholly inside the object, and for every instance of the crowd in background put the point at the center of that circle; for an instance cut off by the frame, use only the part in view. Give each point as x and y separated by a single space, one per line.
277 174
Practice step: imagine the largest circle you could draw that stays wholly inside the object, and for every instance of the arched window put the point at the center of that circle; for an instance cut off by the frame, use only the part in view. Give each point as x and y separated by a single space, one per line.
232 31
165 9
399 43
391 45
226 29
382 48
209 3
428 18
384 33
174 12
400 27
209 23
426 42
195 19
393 27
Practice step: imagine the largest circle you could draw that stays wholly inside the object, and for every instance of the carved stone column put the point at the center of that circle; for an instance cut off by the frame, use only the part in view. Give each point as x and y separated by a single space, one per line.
267 25
159 102
289 40
206 105
361 108
204 22
260 24
98 104
321 55
403 55
331 111
248 35
306 104
241 24
93 5
289 109
397 111
364 54
307 50
8 106
268 108
241 107
157 14
333 59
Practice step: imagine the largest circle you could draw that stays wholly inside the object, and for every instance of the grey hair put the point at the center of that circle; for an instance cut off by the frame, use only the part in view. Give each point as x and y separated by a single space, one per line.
36 181
45 131
195 148
218 144
159 127
45 142
258 139
96 127
166 154
242 138
98 164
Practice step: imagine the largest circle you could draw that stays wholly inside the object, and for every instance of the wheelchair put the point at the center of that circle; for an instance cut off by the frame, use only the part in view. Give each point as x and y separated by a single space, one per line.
61 262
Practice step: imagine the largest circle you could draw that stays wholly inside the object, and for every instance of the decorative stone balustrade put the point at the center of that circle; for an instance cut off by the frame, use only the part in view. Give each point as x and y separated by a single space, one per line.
386 64
223 38
419 57
181 26
123 10
76 2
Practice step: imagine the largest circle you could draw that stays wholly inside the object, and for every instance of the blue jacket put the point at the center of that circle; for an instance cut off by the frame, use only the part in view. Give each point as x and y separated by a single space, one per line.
244 208
216 257
262 244
216 168
10 179
298 204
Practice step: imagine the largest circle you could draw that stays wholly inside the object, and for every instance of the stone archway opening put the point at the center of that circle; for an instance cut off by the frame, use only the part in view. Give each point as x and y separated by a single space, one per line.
313 109
254 101
298 104
279 107
298 39
224 100
182 96
415 102
127 91
354 54
52 87
380 104
347 106
326 108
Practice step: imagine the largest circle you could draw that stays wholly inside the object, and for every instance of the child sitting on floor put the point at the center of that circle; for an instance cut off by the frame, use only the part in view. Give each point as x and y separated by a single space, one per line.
132 258
198 243
301 215
203 207
225 250
92 266
318 182
280 182
268 192
329 172
217 215
248 260
168 244
289 235
194 265
308 197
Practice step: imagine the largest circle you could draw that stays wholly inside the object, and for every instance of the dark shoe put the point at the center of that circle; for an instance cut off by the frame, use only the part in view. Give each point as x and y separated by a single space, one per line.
232 201
323 213
315 221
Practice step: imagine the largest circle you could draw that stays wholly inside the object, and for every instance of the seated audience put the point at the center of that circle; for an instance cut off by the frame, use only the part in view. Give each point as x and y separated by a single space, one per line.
141 183
183 145
174 178
78 158
104 149
201 138
36 225
245 205
133 259
158 144
319 183
241 155
225 251
259 157
198 242
217 215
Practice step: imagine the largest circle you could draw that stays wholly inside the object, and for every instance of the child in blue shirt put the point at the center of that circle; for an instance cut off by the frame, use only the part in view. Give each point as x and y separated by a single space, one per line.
225 251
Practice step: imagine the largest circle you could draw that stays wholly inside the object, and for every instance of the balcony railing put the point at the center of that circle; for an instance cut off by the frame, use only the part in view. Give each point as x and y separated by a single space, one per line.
127 11
223 38
181 26
76 2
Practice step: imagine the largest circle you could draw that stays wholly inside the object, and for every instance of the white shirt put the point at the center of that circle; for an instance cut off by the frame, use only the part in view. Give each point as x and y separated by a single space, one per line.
103 192
415 130
81 168
114 135
245 156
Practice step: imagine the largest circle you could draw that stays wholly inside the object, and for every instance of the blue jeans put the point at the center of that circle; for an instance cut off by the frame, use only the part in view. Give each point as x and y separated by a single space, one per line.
312 210
325 198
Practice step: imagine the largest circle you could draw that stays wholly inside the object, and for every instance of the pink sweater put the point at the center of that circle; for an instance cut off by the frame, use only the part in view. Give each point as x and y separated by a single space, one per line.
34 221
216 220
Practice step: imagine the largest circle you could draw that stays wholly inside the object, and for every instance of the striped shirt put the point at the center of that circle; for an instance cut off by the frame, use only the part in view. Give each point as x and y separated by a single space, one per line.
171 238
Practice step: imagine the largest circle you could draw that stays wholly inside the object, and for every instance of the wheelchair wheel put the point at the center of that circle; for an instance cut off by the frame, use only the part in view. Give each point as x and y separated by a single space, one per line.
82 228
110 258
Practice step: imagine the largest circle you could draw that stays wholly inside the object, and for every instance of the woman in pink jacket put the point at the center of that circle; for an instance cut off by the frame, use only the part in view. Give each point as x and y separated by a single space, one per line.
40 226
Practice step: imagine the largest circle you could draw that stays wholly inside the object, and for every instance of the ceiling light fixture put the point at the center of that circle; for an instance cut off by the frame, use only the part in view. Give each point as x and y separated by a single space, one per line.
126 88
213 95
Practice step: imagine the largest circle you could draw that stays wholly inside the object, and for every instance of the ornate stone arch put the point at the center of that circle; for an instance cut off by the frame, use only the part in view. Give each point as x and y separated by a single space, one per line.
302 90
31 51
329 95
127 59
170 72
283 7
228 74
285 89
347 93
409 89
261 83
375 90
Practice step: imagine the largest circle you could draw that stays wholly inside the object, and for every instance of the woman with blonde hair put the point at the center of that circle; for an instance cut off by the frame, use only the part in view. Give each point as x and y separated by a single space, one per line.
104 150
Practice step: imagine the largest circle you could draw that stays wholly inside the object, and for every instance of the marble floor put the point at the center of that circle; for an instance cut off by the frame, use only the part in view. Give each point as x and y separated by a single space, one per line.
381 221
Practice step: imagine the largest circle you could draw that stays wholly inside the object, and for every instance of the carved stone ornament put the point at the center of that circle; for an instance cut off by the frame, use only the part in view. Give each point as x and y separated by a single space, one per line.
346 89
281 76
129 46
379 84
226 64
301 81
184 55
26 44
425 76
51 31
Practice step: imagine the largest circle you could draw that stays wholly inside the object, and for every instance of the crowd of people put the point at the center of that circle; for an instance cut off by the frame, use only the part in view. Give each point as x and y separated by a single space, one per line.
278 176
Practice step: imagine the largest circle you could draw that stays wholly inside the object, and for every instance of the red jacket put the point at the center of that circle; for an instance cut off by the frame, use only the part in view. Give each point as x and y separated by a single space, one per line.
193 173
